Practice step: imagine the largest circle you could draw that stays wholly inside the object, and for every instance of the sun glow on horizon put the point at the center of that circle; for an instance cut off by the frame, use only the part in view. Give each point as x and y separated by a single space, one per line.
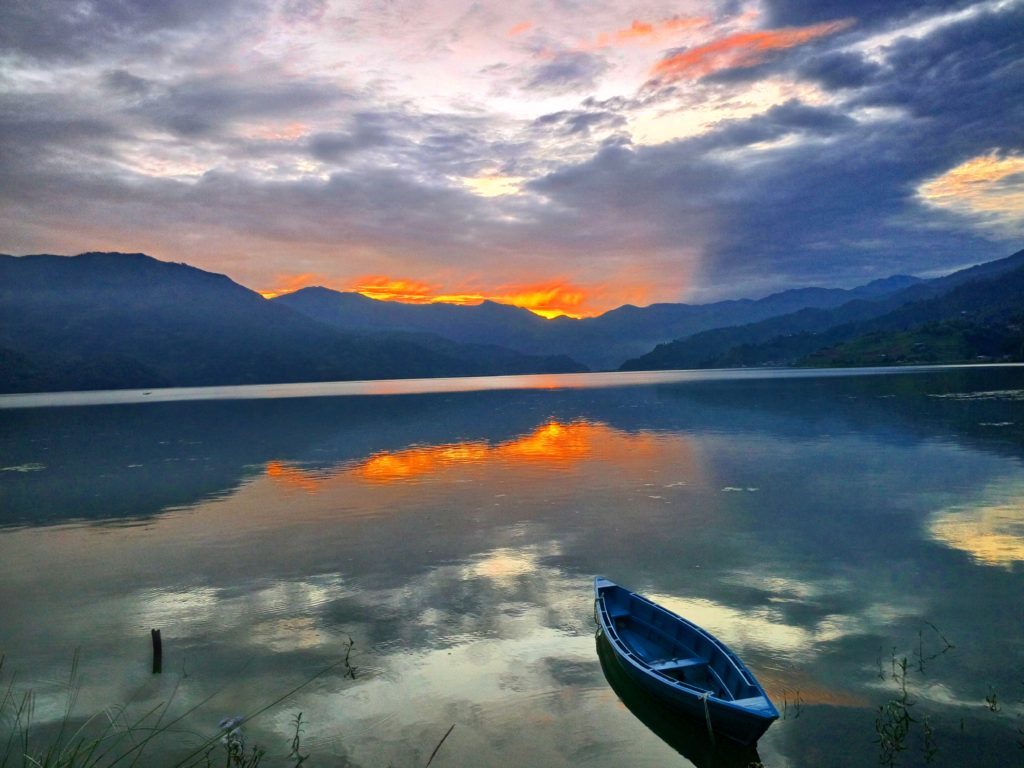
548 299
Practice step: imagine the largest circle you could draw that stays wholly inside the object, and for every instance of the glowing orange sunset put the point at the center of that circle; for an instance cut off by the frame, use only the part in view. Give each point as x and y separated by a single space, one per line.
549 300
529 156
504 384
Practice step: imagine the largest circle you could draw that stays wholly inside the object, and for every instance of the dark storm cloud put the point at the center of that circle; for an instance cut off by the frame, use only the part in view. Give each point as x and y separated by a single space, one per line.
198 107
839 203
792 117
123 82
76 31
869 13
36 131
965 78
387 209
801 193
566 71
580 121
650 198
839 70
336 146
426 145
833 70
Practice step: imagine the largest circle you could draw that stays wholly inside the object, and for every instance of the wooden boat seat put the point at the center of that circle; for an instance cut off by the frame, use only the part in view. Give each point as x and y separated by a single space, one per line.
667 664
755 702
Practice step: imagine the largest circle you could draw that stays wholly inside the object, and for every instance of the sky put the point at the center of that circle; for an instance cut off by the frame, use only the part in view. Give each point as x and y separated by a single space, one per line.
567 156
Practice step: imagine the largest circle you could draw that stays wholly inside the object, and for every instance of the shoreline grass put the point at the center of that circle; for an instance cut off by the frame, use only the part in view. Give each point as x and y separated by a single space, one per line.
110 739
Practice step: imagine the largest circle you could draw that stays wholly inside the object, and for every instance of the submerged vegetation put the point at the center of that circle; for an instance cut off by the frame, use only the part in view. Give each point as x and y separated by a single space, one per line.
914 726
119 736
907 734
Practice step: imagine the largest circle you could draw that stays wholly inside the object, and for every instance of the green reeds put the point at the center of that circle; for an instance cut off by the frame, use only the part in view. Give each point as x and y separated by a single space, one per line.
110 739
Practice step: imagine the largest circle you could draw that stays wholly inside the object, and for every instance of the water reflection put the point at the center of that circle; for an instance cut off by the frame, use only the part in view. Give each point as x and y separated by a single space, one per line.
454 536
552 447
552 444
991 533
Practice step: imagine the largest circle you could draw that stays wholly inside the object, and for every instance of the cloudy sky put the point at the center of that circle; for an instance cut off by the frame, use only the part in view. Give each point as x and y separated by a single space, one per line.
571 155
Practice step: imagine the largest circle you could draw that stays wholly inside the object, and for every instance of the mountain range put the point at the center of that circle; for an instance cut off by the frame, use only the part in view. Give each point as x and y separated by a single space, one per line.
971 315
114 320
600 343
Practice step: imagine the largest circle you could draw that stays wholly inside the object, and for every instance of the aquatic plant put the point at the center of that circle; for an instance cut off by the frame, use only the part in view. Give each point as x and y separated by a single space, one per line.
893 722
898 724
111 738
796 706
296 751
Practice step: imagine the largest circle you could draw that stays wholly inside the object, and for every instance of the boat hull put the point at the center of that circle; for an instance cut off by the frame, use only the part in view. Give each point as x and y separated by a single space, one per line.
713 686
688 736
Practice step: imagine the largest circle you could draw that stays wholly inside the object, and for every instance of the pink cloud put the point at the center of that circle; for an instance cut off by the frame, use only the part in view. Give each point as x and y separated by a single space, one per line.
744 49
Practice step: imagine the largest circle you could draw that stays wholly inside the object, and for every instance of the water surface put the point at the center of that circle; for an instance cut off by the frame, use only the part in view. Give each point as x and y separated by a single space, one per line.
819 523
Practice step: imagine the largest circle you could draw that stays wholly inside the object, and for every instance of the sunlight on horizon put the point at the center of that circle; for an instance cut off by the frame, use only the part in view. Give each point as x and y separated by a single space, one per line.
548 299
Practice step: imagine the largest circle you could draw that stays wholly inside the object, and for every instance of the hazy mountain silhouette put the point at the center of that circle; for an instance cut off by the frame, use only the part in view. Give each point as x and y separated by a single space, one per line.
601 342
111 320
980 306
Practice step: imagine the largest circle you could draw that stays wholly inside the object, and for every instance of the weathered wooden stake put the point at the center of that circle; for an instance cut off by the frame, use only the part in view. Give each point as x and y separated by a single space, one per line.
158 651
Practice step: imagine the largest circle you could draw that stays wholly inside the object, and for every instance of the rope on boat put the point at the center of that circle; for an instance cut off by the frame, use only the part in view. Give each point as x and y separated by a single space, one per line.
707 715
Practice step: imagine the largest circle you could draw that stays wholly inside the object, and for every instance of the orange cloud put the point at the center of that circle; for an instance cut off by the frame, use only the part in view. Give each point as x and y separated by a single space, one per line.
390 289
290 283
548 299
518 29
744 49
545 299
648 32
988 188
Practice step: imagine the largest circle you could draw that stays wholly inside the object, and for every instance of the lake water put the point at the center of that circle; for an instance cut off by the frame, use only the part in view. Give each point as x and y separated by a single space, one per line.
820 523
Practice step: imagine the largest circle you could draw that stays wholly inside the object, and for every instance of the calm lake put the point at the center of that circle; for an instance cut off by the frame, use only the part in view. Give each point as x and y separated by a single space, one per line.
822 523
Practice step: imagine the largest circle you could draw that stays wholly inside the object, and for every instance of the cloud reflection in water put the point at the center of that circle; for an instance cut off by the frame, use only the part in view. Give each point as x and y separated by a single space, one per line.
991 533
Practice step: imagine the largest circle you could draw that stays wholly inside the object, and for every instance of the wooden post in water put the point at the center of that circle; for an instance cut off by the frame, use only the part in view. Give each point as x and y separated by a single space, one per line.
158 651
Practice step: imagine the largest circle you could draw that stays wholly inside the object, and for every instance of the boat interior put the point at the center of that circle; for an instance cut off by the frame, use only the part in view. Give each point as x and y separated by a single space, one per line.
675 649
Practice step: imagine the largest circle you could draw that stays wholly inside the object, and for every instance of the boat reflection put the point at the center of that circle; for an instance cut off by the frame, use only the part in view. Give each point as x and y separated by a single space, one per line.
687 736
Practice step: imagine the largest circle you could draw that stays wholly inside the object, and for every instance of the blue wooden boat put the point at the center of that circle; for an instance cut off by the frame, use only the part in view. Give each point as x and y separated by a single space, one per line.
682 664
688 736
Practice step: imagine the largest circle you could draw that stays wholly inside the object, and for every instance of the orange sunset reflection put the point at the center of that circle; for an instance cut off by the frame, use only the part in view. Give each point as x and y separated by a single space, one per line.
553 445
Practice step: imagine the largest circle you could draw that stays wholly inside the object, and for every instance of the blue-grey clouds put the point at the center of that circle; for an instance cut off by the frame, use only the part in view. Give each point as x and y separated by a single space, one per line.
271 137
